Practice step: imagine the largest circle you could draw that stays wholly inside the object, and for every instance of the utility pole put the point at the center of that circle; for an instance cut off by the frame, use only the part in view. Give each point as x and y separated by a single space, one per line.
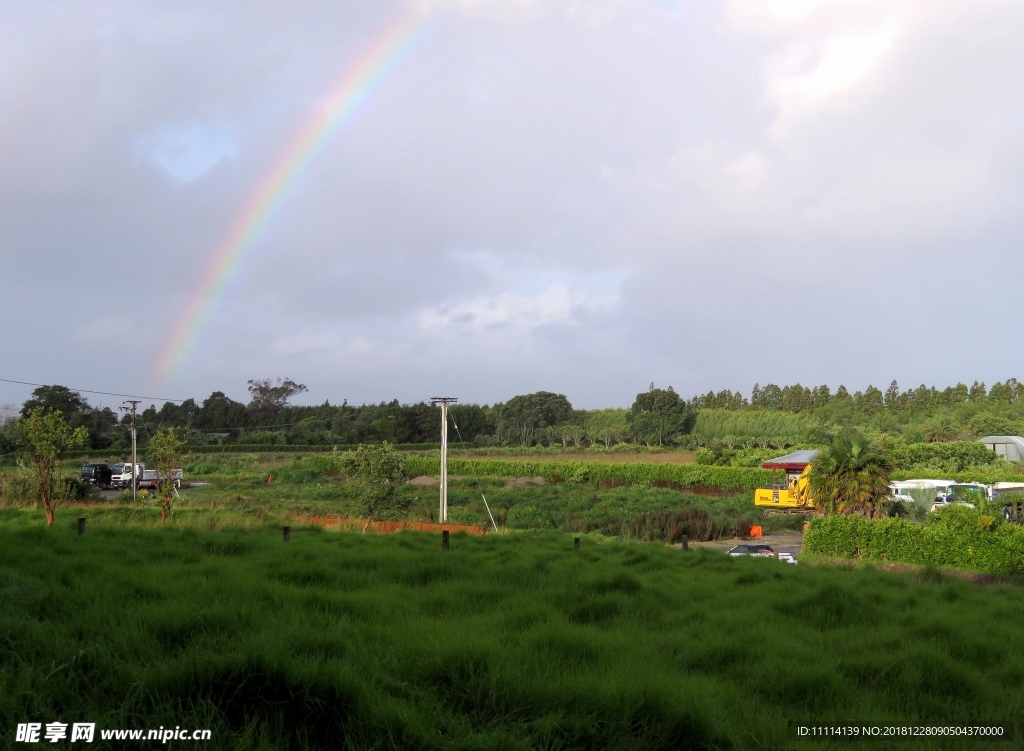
135 451
444 401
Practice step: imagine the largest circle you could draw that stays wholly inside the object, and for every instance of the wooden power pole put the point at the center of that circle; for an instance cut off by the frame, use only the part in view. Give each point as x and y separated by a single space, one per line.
444 401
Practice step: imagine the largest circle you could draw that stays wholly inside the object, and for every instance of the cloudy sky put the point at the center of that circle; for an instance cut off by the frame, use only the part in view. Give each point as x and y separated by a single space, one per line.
581 197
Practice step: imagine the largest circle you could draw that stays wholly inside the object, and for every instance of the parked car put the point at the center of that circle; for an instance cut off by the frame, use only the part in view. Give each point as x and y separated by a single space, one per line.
96 474
762 550
752 549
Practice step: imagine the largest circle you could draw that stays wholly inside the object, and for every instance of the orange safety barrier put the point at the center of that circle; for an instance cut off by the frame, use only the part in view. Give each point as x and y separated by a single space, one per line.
755 531
389 527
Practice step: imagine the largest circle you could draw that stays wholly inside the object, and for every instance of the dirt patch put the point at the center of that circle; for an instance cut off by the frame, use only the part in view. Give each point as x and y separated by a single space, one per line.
784 541
522 482
704 490
423 481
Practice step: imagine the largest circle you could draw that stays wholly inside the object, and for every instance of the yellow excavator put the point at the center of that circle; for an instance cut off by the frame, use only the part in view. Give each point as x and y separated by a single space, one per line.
789 493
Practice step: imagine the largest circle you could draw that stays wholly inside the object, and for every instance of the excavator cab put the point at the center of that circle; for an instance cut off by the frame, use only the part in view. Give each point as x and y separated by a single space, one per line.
789 491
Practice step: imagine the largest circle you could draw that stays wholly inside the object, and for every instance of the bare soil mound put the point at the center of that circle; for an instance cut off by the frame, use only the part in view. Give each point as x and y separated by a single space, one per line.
522 482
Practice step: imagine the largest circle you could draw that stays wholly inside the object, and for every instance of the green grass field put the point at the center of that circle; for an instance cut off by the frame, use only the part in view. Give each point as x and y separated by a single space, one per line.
569 507
337 640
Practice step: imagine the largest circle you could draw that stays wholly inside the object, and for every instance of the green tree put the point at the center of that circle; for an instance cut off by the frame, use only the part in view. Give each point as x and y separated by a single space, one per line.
940 429
166 450
46 437
851 475
377 472
522 415
608 426
55 399
268 400
660 416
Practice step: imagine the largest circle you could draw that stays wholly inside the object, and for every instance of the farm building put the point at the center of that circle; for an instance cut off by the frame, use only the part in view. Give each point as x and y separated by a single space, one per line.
1010 447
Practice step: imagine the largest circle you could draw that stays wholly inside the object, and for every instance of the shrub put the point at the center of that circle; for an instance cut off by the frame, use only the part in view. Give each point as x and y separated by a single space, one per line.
956 537
705 457
953 456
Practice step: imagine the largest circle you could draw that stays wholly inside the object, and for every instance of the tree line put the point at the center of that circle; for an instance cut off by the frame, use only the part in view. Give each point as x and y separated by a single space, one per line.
657 417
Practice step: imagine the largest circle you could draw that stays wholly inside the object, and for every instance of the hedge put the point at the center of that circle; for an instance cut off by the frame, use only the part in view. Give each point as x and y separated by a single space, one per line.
958 537
682 475
987 475
954 456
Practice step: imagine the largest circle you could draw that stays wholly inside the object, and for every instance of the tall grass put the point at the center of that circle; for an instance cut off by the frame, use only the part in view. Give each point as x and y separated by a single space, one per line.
354 642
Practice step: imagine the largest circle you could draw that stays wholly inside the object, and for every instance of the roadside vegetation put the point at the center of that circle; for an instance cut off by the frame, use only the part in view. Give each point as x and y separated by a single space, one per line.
506 642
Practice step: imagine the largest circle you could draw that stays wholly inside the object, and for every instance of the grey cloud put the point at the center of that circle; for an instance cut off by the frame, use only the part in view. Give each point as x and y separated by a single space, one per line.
581 197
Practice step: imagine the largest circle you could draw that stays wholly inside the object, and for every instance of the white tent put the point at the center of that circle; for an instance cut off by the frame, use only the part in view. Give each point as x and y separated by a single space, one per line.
1010 447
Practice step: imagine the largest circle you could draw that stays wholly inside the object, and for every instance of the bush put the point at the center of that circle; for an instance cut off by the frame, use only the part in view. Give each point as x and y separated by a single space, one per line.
954 456
640 473
956 537
16 490
705 457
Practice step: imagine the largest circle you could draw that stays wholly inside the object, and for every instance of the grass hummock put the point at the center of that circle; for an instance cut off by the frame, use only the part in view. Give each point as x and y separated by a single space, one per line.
337 640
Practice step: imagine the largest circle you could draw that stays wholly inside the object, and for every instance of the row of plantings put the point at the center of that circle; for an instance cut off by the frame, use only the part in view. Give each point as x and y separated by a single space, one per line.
955 537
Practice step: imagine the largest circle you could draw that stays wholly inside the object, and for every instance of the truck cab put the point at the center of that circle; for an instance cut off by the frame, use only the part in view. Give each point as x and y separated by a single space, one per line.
122 475
96 474
789 491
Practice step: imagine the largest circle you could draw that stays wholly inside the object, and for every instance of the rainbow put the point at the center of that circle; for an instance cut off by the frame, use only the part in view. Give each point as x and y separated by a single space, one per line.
353 89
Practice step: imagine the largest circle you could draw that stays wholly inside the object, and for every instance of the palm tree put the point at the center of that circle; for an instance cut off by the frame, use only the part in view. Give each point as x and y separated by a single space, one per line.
940 429
851 476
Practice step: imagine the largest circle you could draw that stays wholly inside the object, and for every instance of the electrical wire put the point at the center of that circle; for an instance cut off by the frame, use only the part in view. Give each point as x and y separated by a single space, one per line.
478 485
104 393
181 401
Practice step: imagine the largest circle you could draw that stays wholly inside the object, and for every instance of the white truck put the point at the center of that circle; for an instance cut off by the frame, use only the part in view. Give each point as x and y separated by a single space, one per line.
121 474
150 479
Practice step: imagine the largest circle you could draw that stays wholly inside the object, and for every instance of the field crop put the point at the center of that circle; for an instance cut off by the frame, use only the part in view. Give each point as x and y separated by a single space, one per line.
337 640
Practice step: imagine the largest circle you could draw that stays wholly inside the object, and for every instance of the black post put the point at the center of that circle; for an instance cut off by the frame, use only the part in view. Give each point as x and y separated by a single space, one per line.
81 525
576 543
287 534
686 542
444 540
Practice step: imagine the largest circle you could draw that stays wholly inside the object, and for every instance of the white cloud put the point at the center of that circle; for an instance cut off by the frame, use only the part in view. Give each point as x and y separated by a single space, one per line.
511 313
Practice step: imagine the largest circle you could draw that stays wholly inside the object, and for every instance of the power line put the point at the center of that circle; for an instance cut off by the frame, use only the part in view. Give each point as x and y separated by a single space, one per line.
104 393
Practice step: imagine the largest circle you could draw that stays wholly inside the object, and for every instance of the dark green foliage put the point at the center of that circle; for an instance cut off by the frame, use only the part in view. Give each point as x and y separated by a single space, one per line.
522 416
269 399
376 473
955 456
101 423
957 537
55 399
851 475
660 416
352 642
